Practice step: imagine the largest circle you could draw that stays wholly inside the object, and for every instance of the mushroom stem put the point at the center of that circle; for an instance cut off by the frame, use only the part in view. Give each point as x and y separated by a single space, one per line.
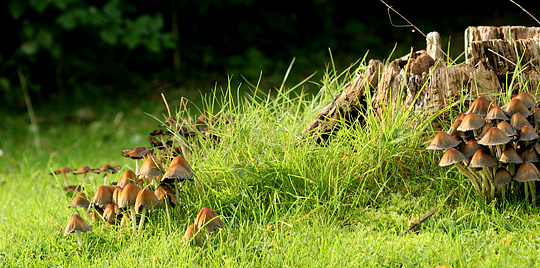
133 218
532 186
142 218
137 166
176 191
470 176
79 238
65 180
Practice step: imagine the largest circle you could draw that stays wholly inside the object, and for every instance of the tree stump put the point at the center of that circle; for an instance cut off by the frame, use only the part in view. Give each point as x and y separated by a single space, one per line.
422 80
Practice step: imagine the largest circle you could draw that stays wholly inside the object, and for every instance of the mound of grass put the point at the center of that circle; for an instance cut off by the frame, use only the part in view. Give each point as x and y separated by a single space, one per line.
285 200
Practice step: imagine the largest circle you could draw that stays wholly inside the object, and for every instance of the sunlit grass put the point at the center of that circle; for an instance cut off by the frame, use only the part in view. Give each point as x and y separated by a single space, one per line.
285 200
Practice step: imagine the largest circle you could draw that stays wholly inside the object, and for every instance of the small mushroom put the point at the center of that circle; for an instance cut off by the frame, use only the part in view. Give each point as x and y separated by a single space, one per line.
147 200
76 225
79 200
516 106
128 177
150 168
526 99
83 170
209 220
137 153
479 106
192 234
103 196
127 200
496 114
63 170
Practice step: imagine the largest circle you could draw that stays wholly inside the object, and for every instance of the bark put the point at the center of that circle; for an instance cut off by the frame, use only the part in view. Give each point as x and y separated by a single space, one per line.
423 82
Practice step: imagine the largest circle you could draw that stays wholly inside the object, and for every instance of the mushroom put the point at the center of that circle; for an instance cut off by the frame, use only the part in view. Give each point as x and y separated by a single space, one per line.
128 177
442 141
63 170
526 99
479 106
108 169
528 173
518 121
483 159
83 170
147 200
495 139
150 168
103 196
508 129
471 122
516 106
76 225
164 142
496 114
79 200
137 153
111 212
454 156
192 234
208 219
471 147
127 200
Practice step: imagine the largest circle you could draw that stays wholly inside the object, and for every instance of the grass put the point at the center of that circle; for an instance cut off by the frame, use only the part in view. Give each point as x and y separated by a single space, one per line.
285 202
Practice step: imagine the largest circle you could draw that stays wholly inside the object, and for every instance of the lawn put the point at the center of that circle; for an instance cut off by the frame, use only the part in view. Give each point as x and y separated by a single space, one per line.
285 201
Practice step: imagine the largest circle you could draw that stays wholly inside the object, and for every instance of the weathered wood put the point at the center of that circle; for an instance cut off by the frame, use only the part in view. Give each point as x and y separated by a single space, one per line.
423 82
345 104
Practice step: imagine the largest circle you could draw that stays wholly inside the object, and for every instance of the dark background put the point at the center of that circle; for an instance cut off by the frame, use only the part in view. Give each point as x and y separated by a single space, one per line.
80 51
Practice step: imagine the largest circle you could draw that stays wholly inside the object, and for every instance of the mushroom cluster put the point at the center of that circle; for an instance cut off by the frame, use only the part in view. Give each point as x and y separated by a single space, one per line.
495 147
84 170
156 183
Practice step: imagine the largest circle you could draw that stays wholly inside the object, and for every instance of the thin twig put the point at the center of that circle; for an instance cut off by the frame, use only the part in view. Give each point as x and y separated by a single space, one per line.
33 121
416 224
524 10
166 104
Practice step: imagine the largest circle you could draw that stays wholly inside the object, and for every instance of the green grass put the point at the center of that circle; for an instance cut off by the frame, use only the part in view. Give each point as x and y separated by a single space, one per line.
285 202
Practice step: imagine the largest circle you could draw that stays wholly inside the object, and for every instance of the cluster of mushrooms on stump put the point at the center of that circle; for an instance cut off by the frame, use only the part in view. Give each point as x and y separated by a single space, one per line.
495 147
155 184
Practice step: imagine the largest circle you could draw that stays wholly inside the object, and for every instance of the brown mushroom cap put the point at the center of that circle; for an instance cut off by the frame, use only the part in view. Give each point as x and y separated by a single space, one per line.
209 219
483 131
62 170
510 156
516 106
494 136
518 121
128 196
451 156
471 122
109 169
145 198
191 231
453 129
529 154
479 106
116 194
442 141
535 114
111 211
528 133
82 170
508 129
80 200
103 195
150 167
137 152
76 224
176 172
471 147
482 158
496 113
526 98
128 177
502 177
527 172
